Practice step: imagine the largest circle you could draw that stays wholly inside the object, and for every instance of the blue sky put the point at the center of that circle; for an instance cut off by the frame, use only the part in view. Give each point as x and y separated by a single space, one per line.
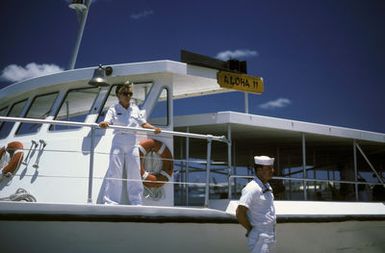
323 61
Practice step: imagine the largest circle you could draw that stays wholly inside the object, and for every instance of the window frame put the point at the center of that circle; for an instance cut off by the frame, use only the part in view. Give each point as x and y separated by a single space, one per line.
167 101
72 128
29 108
21 114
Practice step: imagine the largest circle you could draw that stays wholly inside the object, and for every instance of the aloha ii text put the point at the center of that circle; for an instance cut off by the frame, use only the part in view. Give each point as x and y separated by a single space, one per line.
240 82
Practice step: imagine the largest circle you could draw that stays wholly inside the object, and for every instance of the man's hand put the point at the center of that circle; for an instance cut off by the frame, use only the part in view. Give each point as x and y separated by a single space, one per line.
157 130
104 124
241 214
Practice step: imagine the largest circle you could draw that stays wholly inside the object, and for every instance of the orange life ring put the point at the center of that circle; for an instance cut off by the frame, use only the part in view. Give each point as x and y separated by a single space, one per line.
15 149
159 179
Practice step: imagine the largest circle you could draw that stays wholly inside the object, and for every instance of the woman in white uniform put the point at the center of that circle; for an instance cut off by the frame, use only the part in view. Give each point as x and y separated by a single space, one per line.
124 153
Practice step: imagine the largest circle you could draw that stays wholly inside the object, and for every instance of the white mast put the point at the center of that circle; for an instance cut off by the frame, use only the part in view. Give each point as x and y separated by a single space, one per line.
81 7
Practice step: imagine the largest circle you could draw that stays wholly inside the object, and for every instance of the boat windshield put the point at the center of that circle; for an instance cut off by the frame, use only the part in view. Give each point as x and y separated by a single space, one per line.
141 90
41 108
16 110
76 106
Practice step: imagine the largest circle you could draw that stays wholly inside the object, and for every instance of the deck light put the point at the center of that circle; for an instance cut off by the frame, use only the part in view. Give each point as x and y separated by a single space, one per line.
99 77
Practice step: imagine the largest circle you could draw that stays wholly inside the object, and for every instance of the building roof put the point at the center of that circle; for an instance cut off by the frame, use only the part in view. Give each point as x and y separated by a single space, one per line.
245 125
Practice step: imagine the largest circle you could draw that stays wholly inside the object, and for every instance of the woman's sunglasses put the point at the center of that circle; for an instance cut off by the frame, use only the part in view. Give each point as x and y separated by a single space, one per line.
126 94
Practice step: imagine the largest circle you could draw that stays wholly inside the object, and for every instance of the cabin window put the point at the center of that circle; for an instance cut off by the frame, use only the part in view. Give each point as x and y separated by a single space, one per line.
140 93
76 106
3 111
159 116
6 127
40 109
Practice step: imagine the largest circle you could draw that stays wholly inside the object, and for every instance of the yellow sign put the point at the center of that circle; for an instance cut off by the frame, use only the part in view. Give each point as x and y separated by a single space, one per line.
240 82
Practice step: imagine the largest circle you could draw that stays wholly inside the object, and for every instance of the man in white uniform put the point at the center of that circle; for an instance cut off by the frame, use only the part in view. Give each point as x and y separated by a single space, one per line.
256 210
124 152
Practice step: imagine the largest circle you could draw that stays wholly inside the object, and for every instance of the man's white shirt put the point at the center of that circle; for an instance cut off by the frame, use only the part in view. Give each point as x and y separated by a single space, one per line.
259 199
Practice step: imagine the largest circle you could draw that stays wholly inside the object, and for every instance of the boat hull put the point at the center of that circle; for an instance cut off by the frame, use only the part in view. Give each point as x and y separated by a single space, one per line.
76 236
99 228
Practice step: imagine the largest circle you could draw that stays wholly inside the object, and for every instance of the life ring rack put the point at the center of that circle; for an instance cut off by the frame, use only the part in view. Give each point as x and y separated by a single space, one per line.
151 179
15 149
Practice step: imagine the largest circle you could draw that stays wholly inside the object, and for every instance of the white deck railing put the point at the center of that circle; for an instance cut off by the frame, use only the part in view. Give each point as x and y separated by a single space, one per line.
94 126
209 138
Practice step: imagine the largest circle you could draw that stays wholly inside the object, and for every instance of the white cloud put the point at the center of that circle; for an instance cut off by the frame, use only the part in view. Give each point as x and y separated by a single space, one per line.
142 14
15 73
278 103
239 53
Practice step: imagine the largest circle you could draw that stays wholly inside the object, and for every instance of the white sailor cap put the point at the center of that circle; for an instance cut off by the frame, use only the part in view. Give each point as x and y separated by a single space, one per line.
264 160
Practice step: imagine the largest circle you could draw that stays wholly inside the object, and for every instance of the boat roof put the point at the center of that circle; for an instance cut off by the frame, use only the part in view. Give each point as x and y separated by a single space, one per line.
249 126
189 80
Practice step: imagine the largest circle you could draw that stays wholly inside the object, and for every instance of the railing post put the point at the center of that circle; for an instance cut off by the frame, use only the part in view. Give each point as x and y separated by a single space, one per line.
355 169
187 166
208 167
229 162
91 168
304 166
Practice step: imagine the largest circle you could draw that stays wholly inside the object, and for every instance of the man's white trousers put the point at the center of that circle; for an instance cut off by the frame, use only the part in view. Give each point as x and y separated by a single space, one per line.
262 240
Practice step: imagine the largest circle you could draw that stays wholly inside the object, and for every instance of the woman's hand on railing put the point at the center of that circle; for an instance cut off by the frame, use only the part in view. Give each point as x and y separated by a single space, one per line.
104 124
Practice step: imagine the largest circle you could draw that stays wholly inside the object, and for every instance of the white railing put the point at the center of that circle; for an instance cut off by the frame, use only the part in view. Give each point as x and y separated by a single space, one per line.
356 183
94 126
209 138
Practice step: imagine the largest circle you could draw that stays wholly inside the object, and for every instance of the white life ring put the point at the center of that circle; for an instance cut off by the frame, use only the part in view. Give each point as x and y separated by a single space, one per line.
151 179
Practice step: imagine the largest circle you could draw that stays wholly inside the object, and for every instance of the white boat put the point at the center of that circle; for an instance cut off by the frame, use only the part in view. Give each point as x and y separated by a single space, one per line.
65 161
54 160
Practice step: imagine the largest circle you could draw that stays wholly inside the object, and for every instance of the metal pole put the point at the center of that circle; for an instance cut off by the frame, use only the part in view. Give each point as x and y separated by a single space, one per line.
229 158
314 171
207 192
234 168
83 18
91 169
187 165
355 169
246 102
128 129
304 165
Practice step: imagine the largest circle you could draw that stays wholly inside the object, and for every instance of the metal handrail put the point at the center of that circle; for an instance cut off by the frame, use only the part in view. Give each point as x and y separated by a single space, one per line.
303 179
128 129
313 180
